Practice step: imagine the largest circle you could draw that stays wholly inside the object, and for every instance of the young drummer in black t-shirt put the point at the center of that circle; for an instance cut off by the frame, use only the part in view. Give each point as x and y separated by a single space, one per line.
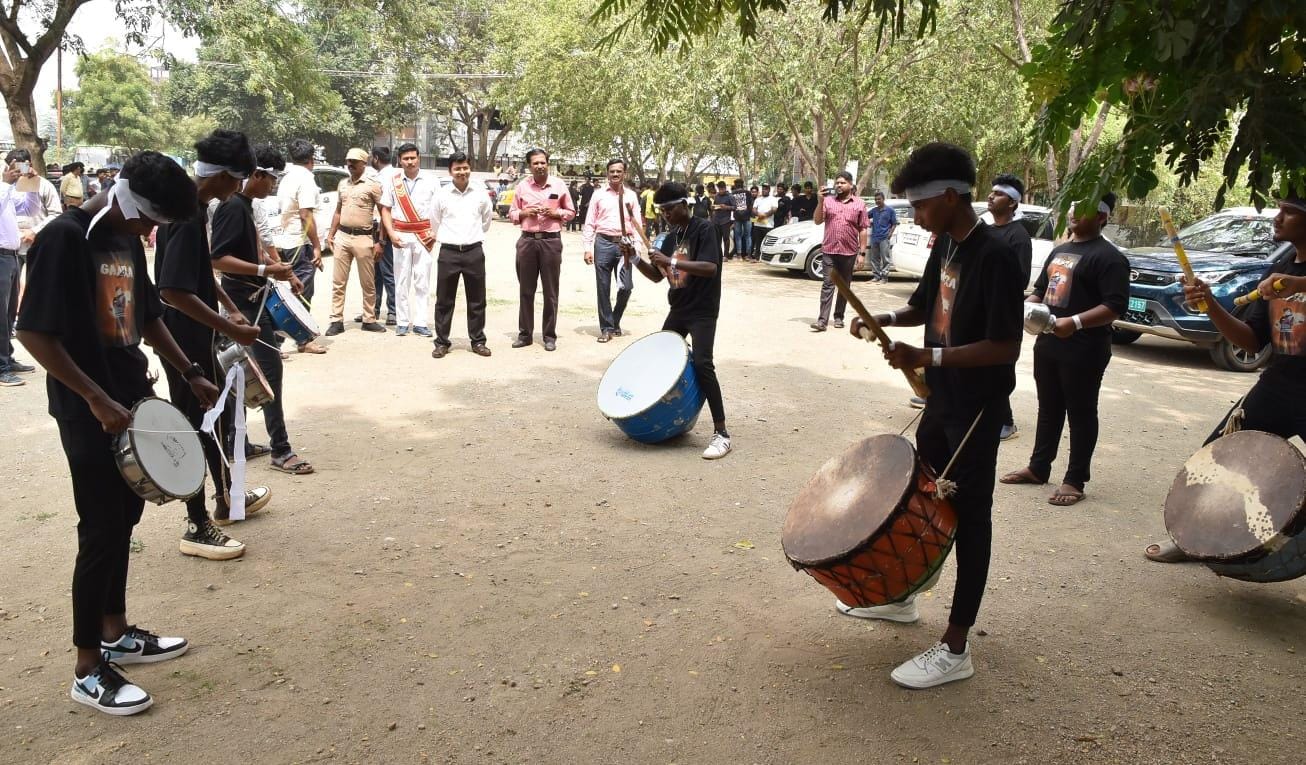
969 302
1085 283
89 304
183 274
690 261
1273 404
245 270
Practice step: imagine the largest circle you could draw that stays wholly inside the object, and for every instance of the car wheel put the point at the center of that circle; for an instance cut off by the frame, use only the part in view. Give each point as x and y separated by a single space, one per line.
1123 336
1228 356
815 268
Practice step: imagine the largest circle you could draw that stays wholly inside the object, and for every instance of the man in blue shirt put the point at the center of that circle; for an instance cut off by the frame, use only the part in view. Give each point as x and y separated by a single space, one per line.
884 221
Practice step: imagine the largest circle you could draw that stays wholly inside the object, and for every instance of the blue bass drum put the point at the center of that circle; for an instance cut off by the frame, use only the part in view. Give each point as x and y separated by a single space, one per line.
289 313
650 390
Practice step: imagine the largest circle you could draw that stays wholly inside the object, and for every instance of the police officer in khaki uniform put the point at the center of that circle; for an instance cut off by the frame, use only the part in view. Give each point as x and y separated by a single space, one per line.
353 237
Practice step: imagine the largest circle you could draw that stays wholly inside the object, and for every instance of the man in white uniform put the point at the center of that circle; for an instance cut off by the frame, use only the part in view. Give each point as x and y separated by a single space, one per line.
405 202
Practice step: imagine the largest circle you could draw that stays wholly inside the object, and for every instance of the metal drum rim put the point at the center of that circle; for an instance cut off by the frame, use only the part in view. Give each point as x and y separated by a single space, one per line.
145 471
685 357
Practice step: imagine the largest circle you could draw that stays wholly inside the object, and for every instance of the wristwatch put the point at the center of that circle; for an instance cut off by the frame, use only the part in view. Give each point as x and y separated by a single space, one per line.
193 371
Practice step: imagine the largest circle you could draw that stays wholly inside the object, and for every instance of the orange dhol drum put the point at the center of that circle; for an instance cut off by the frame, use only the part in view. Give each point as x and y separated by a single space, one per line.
868 525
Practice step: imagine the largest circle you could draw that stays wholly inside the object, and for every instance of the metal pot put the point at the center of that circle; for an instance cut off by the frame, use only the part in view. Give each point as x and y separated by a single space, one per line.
1039 319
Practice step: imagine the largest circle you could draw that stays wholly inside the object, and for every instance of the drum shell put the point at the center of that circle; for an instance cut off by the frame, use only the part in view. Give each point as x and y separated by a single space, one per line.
902 556
257 390
1038 319
285 319
135 474
1285 563
672 414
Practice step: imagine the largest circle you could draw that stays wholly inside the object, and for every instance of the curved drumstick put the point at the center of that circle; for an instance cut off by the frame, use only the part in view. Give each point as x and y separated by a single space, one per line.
1254 295
873 331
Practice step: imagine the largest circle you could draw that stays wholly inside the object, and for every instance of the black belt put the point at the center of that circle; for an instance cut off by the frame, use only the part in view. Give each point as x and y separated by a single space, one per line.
616 238
7 251
541 235
356 231
461 247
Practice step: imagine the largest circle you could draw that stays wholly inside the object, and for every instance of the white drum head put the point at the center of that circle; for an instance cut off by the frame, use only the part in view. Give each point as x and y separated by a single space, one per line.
296 306
167 448
642 374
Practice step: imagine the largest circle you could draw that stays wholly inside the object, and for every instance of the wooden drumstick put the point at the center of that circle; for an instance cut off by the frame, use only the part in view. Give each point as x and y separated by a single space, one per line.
1181 255
873 331
1254 295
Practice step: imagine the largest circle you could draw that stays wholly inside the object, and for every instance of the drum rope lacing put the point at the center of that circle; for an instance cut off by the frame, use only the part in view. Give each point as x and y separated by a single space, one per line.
944 488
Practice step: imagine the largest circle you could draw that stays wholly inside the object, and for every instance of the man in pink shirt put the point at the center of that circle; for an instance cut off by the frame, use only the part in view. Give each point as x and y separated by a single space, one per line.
603 234
846 226
541 206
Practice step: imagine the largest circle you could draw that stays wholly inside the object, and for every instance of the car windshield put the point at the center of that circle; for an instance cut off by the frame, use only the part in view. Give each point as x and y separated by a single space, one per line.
1230 235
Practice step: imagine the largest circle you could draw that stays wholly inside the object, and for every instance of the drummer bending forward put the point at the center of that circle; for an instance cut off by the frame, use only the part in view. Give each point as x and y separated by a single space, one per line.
690 260
1273 405
90 303
969 300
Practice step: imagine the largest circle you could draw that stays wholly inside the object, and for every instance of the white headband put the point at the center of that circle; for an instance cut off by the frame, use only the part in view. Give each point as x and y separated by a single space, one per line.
935 188
673 203
1010 191
131 204
1294 203
1104 208
208 170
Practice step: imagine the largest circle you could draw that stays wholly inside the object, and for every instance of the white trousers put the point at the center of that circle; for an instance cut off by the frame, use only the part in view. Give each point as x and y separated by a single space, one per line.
412 272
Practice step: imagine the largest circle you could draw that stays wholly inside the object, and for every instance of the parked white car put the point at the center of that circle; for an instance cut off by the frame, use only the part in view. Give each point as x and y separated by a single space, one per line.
914 243
797 246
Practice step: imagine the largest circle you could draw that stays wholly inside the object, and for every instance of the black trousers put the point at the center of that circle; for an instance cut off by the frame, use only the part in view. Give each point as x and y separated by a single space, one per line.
1066 391
844 264
726 237
702 337
385 280
107 510
539 262
269 360
182 398
759 234
1270 406
470 267
938 437
301 259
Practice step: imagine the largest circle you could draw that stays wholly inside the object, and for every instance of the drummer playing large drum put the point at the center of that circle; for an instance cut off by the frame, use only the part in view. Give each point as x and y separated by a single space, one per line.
969 301
691 262
1274 404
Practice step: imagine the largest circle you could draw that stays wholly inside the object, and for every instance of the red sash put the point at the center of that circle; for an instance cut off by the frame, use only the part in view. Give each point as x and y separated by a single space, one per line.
415 224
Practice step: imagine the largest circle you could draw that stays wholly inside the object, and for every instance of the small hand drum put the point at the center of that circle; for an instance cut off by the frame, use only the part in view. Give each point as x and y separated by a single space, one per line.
1039 319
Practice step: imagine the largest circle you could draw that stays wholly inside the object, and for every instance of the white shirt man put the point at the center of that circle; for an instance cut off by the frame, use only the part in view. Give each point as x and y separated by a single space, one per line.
459 219
296 191
406 198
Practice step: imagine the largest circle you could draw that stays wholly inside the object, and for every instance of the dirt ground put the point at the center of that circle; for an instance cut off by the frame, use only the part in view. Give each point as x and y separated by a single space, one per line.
485 570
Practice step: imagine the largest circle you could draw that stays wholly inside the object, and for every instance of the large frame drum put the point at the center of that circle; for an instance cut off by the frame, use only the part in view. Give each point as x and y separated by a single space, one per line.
650 390
1237 506
868 525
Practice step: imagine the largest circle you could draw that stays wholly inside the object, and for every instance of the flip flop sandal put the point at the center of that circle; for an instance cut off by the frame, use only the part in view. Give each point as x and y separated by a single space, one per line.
311 347
1020 477
1166 552
1066 499
293 464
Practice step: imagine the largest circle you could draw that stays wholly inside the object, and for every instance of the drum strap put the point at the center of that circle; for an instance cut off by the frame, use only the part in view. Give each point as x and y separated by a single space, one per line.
236 382
1234 422
944 488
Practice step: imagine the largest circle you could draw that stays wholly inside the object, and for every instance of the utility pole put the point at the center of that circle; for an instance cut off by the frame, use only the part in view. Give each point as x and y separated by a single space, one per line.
58 102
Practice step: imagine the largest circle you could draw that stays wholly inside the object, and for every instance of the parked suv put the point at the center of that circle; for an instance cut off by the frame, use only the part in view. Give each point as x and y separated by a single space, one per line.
1229 250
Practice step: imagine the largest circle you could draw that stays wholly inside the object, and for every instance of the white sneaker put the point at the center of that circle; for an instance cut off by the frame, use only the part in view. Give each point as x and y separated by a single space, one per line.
717 448
106 690
936 666
904 612
917 402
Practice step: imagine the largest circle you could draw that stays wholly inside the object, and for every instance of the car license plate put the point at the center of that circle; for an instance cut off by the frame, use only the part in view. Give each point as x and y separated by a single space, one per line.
1137 305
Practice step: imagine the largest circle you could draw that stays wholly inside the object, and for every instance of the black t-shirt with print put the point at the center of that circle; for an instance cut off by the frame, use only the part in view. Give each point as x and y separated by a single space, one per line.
234 234
973 296
694 297
803 207
1017 238
182 262
95 296
1076 277
1281 322
743 203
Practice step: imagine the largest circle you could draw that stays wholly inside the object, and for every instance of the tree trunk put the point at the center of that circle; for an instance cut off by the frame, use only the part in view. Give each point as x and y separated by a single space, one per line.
22 120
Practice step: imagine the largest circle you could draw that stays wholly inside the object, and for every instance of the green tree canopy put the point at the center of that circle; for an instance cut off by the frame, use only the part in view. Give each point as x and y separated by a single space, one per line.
117 105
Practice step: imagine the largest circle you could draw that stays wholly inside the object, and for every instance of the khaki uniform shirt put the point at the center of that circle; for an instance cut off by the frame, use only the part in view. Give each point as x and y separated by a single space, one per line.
358 201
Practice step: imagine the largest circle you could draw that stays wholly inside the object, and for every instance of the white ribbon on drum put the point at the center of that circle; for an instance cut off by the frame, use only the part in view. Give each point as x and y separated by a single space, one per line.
235 382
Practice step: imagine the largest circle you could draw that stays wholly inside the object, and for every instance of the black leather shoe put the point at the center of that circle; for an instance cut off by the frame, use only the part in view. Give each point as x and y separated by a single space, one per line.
440 352
550 345
358 319
480 350
372 326
521 342
336 328
818 326
390 321
605 336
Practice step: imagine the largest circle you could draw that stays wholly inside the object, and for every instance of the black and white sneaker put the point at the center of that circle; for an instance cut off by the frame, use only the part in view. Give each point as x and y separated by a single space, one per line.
256 499
108 691
207 541
138 646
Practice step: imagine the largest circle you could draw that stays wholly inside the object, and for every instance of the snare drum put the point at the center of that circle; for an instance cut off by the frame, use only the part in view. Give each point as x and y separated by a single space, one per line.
257 390
1237 506
650 390
289 313
159 455
868 525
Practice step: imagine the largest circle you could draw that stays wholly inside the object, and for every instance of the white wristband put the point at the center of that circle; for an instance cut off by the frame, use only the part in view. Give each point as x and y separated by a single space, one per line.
673 262
938 357
262 269
1079 323
893 319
